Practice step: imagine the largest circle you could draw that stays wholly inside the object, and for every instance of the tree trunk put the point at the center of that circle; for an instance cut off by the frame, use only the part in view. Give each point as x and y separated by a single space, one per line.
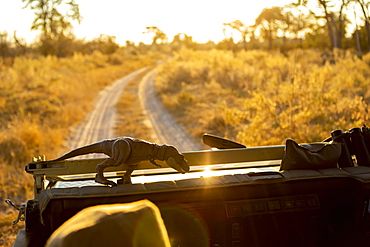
270 41
358 43
329 23
244 37
330 32
335 32
270 36
341 26
357 34
367 23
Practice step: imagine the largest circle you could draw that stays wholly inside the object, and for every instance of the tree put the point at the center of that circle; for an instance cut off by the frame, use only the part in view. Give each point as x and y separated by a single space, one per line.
335 19
245 31
226 44
270 21
20 44
106 44
317 38
159 35
4 44
182 40
12 46
365 11
55 27
296 20
359 40
341 25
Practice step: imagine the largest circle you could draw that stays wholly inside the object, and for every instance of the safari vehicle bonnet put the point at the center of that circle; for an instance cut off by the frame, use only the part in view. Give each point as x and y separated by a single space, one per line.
233 196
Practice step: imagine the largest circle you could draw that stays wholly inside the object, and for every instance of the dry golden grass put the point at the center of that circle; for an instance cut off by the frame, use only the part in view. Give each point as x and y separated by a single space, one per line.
41 100
8 233
263 98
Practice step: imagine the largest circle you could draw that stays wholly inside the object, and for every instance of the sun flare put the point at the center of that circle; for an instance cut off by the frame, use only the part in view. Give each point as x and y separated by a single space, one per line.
207 173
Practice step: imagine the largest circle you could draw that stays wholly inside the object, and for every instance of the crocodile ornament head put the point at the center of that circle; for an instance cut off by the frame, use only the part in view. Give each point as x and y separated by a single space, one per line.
176 160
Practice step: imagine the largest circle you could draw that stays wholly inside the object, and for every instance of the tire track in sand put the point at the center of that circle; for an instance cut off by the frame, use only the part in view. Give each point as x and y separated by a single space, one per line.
163 124
99 123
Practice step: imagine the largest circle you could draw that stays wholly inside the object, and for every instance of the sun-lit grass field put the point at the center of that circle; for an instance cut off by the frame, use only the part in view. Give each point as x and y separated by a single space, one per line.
41 100
264 97
254 97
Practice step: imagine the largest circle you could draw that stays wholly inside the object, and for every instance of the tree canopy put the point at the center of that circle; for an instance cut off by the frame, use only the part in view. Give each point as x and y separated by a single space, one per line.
55 27
322 24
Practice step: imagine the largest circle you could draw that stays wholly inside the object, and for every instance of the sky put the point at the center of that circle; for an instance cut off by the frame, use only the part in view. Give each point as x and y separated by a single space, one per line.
127 20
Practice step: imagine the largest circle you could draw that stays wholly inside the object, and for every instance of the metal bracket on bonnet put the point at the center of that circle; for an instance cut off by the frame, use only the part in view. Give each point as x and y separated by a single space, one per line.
21 209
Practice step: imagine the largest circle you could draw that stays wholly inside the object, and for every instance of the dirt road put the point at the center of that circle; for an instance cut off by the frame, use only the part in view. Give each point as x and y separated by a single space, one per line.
100 122
164 125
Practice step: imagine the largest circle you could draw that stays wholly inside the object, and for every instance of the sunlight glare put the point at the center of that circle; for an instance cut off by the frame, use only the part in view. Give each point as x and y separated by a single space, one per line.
207 173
